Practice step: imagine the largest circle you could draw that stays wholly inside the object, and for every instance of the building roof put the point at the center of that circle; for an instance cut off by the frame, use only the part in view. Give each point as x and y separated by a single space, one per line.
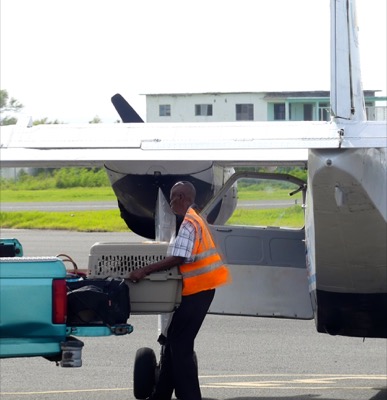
308 94
271 95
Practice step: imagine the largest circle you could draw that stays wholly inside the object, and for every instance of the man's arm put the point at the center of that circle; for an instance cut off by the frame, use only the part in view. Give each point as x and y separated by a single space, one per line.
167 263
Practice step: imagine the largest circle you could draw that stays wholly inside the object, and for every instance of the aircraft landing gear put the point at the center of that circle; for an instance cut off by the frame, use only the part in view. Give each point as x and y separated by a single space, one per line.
146 372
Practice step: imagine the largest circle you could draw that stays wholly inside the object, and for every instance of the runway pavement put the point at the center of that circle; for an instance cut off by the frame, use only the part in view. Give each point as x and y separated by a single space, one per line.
59 206
240 358
112 205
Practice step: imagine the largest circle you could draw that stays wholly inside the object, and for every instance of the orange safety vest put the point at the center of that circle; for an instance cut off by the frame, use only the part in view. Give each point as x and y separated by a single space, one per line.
207 270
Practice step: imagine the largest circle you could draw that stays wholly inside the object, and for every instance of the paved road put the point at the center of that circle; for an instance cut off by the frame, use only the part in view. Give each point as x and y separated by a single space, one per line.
112 205
239 358
59 206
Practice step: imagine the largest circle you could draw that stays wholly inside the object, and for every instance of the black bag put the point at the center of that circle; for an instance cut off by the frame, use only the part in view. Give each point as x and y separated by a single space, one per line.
97 302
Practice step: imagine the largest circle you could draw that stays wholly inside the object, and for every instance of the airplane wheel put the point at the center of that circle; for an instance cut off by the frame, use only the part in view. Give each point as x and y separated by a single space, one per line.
144 373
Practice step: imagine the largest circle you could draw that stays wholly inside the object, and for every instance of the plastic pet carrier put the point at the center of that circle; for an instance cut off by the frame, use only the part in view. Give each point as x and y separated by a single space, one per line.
159 292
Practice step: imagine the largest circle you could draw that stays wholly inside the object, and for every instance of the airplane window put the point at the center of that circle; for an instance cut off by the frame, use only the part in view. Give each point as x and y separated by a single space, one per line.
263 202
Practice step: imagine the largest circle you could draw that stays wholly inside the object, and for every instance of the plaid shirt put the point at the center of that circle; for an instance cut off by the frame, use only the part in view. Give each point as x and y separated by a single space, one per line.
182 245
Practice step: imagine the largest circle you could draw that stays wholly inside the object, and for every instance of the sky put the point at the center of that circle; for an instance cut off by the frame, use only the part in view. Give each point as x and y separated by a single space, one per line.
64 60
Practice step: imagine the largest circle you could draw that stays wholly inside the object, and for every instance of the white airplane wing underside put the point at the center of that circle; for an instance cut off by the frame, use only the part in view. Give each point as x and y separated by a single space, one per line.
278 142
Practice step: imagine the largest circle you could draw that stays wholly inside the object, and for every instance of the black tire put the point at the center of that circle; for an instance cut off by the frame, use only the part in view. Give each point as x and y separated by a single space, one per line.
144 373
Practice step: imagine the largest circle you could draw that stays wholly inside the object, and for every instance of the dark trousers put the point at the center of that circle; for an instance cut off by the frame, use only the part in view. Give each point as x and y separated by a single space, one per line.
178 369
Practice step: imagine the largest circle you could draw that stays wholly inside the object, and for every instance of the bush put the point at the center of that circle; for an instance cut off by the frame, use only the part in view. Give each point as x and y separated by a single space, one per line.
60 178
81 177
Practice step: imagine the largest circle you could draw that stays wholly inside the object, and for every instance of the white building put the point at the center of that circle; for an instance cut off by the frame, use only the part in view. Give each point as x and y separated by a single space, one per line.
249 106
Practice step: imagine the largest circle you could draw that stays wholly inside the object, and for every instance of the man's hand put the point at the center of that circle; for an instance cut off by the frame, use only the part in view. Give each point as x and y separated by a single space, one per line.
137 275
162 265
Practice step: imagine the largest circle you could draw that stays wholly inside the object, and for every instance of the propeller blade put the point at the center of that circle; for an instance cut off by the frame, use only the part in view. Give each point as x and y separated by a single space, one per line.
125 110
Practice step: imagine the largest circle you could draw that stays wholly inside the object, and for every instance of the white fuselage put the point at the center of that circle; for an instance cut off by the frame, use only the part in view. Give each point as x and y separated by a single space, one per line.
346 233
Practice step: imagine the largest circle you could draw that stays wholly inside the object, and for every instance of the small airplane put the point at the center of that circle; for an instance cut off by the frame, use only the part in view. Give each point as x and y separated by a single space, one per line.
334 269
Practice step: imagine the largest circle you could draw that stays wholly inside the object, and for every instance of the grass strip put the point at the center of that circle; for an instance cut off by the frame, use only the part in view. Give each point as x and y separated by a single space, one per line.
110 220
290 217
107 194
81 221
53 195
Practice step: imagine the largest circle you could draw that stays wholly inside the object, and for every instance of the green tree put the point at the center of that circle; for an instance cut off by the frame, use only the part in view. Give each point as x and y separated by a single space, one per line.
45 121
7 105
96 120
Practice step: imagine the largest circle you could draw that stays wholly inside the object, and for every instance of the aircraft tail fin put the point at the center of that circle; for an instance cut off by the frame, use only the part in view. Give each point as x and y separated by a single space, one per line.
347 98
125 110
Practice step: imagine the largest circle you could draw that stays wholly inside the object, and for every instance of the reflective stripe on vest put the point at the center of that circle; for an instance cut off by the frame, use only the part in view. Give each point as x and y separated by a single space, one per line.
207 270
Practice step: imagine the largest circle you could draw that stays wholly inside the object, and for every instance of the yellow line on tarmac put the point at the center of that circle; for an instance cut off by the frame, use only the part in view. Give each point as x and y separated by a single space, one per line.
293 381
263 386
254 381
344 376
64 391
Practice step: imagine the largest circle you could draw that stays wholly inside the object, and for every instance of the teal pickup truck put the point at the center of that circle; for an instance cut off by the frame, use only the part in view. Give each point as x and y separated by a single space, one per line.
34 308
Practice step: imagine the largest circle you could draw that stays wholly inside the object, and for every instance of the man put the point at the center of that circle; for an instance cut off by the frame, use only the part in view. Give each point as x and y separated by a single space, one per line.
201 266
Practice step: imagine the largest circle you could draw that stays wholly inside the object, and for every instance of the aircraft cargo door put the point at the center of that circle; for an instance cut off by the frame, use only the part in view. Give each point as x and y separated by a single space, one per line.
263 245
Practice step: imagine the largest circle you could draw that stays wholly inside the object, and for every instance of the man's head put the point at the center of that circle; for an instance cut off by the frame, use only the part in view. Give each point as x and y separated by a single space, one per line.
182 197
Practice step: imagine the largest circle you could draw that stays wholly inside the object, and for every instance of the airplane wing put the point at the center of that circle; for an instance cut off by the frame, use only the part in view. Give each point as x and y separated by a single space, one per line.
258 142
